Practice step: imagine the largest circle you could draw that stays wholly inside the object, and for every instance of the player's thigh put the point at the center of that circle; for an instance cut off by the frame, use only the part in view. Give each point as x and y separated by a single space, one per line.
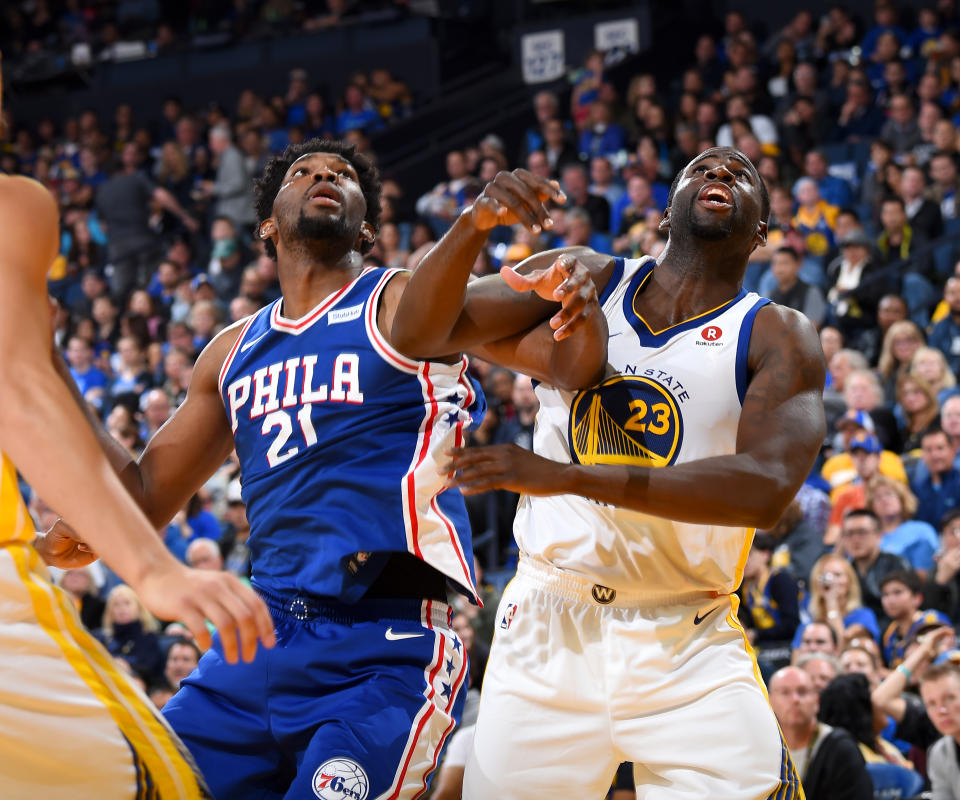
219 713
382 736
71 724
703 727
542 728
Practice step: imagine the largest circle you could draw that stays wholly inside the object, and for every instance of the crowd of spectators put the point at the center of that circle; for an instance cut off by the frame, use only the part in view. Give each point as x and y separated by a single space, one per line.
852 599
40 38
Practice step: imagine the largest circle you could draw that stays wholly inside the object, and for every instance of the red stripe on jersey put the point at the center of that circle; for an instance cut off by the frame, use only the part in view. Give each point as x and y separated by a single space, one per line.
314 315
233 351
424 449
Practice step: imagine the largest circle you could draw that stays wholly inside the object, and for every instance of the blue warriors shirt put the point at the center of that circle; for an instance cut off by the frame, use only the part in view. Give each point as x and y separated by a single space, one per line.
341 440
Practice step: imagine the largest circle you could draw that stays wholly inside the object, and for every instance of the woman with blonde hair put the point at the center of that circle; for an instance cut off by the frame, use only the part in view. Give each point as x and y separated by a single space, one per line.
130 632
918 407
902 340
835 599
894 504
930 364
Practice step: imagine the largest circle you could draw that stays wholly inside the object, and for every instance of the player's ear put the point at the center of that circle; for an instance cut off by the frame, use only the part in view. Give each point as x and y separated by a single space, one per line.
760 237
665 222
367 233
267 228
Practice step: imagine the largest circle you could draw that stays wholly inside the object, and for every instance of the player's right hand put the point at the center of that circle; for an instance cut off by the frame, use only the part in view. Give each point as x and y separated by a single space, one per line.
192 596
512 197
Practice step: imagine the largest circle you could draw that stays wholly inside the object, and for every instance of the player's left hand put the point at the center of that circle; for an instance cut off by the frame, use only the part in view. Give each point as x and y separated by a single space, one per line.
566 281
503 466
61 547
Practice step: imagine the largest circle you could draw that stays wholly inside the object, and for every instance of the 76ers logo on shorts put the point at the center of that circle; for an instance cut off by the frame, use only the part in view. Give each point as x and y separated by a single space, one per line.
340 779
627 419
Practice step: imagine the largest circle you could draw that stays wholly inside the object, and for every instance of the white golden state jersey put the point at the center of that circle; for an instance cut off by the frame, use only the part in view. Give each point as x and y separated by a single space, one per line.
671 396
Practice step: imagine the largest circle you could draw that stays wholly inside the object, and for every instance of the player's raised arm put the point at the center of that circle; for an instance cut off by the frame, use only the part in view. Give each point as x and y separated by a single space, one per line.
781 429
439 313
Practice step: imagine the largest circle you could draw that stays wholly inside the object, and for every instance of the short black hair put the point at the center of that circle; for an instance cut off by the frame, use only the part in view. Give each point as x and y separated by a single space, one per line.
267 186
764 195
907 577
863 512
788 250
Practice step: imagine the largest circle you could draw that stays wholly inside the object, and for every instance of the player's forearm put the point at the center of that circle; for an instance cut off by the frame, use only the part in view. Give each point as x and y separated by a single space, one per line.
120 460
39 419
735 490
580 360
433 300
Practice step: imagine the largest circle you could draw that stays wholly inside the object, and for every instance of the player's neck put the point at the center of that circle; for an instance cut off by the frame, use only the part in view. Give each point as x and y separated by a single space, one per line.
684 286
307 277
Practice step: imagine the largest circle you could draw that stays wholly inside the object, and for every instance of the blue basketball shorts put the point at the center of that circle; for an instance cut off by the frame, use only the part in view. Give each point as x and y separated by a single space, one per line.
353 702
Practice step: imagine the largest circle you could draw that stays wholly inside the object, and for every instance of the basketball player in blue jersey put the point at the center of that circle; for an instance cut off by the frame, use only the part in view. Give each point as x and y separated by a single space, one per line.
354 538
618 640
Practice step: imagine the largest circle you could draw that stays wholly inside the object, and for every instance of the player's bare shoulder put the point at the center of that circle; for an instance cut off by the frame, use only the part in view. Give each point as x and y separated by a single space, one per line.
785 351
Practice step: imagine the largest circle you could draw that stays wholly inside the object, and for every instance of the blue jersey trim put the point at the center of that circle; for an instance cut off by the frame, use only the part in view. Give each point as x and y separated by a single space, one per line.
743 347
614 282
651 338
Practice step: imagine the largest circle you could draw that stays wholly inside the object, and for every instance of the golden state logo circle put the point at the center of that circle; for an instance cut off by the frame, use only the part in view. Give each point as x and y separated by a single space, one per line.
627 419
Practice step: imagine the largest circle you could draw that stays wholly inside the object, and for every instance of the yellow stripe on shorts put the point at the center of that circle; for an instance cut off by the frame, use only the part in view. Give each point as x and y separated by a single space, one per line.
790 787
164 764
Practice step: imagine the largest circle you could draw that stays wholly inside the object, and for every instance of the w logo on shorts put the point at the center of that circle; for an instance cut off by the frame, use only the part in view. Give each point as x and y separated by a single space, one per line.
508 615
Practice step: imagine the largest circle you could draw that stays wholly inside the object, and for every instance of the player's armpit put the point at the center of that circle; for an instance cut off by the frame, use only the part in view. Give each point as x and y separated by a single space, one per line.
193 443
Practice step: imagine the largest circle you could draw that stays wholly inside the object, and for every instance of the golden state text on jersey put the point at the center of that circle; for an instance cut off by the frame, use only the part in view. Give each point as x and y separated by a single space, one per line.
341 440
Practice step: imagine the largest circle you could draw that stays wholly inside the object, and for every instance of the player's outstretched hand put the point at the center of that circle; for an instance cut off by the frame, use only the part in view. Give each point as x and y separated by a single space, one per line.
192 596
566 281
503 466
61 547
512 197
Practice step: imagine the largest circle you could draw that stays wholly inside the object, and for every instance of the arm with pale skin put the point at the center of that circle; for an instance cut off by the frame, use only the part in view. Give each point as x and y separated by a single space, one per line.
41 419
523 321
888 696
780 432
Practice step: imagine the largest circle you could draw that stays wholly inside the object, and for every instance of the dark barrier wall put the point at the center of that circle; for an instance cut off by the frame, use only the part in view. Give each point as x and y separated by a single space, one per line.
199 77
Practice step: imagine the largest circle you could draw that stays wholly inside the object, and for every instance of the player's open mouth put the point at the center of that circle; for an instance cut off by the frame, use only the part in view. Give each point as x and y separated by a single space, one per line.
716 195
324 194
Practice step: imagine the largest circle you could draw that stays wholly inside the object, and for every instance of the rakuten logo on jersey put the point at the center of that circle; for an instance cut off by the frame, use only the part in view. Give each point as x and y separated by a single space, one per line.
710 337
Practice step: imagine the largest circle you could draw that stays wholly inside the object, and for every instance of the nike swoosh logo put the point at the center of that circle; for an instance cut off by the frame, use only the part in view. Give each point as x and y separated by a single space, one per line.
396 637
248 345
697 619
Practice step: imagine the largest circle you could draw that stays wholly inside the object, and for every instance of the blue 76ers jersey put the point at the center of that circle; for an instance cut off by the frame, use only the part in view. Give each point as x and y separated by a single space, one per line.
341 441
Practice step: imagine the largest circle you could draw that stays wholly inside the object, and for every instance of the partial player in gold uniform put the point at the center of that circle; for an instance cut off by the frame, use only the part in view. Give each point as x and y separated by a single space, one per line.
71 724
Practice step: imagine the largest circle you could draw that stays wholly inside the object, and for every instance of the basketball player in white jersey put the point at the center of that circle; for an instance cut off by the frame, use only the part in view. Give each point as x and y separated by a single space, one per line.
618 640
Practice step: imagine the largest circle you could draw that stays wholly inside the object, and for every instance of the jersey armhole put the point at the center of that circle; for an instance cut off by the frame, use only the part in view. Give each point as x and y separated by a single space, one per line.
380 344
743 346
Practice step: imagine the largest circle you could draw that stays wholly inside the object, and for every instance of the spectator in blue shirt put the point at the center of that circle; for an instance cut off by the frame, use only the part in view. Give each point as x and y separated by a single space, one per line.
603 137
836 191
939 490
356 113
91 382
945 335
